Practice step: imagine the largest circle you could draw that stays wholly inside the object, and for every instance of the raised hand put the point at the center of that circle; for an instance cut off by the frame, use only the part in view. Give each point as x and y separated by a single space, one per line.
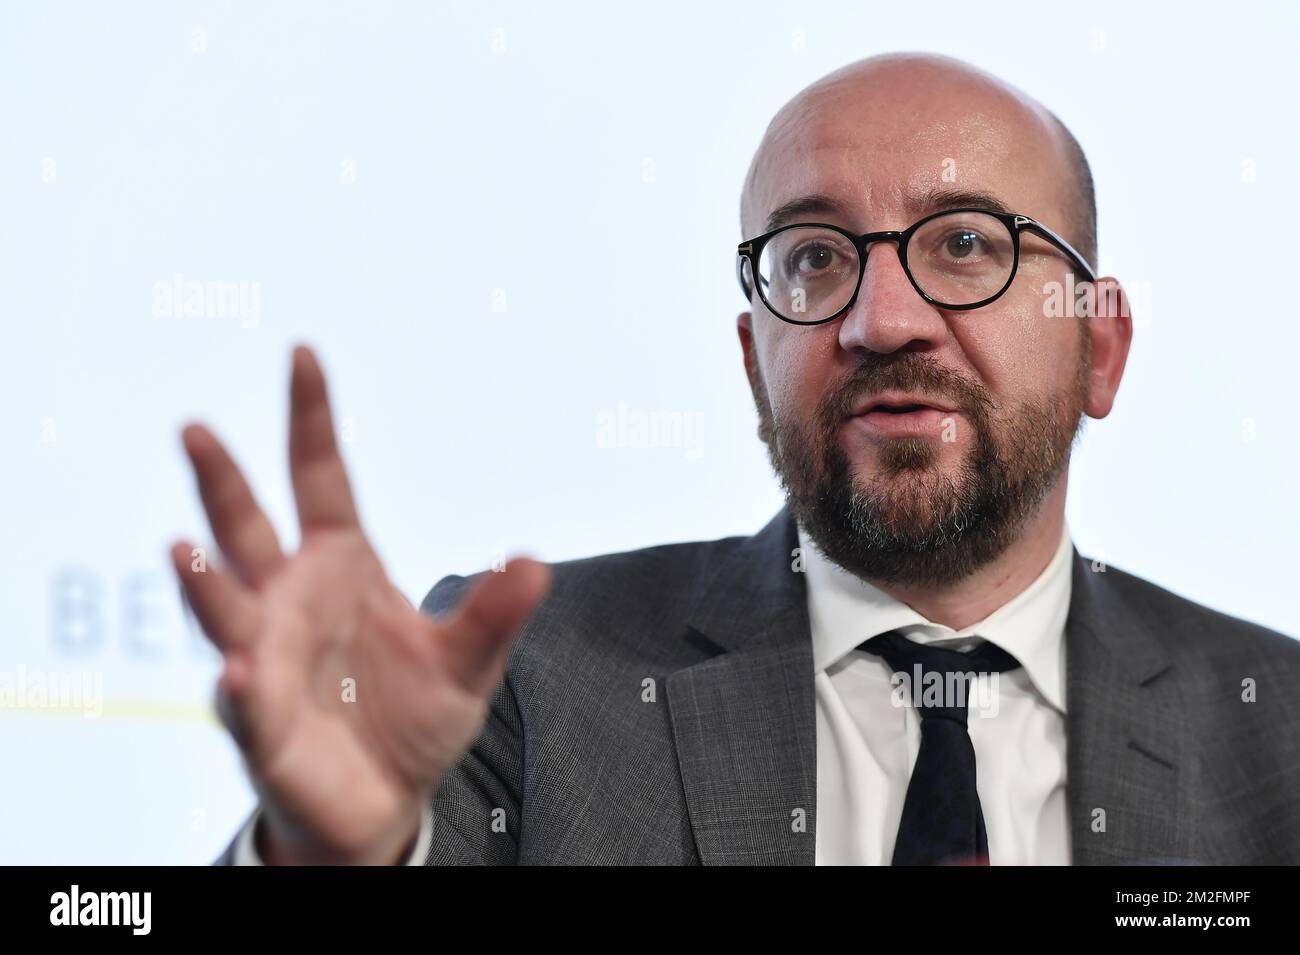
347 702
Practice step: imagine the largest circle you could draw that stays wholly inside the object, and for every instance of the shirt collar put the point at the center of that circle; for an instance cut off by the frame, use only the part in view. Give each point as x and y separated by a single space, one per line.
844 610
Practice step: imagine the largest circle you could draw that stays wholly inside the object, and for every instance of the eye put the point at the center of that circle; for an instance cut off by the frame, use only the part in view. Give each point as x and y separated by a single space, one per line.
813 257
964 244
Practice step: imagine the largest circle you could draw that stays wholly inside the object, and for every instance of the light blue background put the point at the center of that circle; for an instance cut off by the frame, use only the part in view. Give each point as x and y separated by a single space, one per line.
586 174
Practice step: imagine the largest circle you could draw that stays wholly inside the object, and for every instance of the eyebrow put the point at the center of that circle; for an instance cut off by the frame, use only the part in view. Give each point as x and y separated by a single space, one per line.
933 200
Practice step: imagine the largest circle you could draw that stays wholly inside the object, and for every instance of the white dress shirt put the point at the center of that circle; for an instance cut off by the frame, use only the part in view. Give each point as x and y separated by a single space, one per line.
867 745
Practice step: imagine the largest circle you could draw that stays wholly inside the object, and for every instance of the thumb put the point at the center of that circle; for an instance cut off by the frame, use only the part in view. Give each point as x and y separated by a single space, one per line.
479 632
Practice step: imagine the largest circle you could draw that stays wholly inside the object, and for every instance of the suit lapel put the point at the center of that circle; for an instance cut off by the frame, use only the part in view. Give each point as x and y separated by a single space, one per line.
744 721
1129 758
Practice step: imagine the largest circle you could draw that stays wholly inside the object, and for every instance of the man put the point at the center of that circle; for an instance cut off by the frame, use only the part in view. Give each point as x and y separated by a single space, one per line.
910 664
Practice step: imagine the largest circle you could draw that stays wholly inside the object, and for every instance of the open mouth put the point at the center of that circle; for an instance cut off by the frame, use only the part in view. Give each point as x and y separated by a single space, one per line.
901 409
900 415
898 401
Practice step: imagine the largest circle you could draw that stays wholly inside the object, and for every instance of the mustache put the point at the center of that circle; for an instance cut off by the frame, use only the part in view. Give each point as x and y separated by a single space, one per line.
902 371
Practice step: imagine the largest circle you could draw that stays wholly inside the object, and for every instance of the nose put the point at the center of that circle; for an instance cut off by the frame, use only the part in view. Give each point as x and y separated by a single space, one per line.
889 314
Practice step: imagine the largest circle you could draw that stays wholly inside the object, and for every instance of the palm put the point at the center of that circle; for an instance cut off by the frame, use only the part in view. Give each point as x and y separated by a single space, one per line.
347 702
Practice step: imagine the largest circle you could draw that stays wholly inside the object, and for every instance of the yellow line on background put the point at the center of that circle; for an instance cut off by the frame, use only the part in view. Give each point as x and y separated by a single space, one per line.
150 711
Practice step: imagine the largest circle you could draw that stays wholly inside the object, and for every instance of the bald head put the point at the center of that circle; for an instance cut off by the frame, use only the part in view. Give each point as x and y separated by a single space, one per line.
905 123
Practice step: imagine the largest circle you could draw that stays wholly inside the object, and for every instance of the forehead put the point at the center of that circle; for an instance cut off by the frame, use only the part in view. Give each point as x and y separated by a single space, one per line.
878 142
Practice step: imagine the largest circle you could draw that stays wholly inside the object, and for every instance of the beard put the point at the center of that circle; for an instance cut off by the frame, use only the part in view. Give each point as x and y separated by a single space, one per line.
915 524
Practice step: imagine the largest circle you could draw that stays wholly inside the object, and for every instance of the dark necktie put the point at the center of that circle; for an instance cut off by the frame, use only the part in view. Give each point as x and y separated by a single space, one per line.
942 821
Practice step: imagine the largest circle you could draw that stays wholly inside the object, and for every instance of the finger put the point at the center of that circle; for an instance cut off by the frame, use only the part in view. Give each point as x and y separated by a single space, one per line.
243 531
320 481
221 603
479 631
231 698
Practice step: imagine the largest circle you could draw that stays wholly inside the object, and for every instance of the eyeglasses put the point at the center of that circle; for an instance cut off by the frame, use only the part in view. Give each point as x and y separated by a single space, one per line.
810 273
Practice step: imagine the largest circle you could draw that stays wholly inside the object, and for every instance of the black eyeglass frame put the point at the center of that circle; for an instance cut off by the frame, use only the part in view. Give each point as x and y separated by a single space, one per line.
751 249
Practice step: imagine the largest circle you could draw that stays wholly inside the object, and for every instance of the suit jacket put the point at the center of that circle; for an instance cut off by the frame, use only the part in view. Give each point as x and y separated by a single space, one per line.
658 709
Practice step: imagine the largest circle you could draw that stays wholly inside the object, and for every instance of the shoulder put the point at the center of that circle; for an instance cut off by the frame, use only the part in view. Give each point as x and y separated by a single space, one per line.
607 620
1190 629
657 581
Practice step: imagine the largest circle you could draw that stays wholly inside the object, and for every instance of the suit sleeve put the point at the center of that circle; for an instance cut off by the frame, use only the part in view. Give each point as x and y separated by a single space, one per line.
476 810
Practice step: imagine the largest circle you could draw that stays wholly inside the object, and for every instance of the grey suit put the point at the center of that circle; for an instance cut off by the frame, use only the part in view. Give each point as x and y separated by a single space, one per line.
658 709
712 761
